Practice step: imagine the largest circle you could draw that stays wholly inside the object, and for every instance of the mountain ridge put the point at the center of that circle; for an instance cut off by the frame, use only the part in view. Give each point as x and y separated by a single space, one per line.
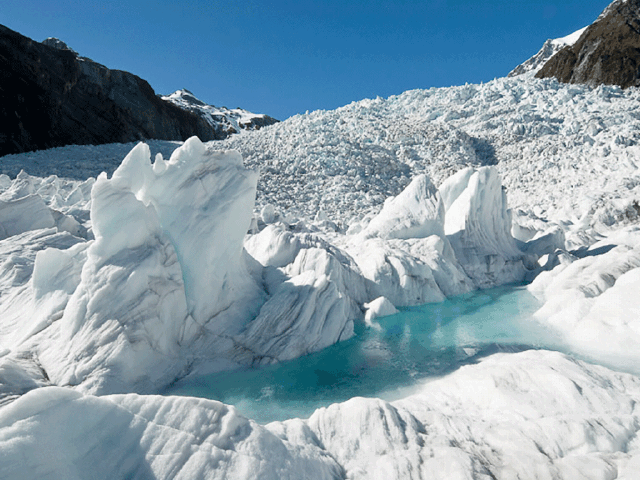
50 97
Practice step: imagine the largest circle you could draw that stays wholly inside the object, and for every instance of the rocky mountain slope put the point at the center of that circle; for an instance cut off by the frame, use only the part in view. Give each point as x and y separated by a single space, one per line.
50 96
607 53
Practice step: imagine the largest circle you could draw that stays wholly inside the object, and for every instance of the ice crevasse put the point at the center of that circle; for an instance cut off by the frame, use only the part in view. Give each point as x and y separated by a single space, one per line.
172 279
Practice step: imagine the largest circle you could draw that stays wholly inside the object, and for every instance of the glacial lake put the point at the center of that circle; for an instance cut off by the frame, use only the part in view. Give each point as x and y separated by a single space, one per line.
413 346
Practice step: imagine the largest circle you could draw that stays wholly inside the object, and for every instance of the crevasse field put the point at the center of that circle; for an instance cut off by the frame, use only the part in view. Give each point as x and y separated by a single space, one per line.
222 260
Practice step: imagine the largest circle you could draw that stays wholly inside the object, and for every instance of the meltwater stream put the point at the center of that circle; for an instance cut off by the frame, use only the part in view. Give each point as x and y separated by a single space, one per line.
412 346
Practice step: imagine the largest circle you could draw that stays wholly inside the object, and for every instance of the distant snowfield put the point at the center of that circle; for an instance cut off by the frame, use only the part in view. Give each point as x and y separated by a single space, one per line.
118 285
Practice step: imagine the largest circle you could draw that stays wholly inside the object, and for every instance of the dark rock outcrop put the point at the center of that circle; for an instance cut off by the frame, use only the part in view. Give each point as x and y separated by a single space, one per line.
49 97
608 52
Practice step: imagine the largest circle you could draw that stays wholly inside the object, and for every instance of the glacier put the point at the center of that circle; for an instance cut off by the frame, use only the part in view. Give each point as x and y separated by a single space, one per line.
499 419
168 282
189 258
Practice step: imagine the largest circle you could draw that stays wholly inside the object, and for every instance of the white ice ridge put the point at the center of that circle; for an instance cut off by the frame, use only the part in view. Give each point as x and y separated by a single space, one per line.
165 263
163 280
534 414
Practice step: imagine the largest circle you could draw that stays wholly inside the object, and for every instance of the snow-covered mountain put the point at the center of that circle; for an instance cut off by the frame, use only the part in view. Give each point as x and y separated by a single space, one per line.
223 120
115 286
548 50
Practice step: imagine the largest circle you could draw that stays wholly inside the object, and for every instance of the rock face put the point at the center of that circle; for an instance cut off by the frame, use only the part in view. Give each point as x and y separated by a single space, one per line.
51 97
607 53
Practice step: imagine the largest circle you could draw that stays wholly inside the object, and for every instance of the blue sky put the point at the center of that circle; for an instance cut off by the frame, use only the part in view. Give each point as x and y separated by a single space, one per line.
285 57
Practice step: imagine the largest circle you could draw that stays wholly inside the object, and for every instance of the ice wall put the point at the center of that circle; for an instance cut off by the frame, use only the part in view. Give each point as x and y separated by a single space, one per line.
403 252
316 292
165 272
428 244
478 225
204 203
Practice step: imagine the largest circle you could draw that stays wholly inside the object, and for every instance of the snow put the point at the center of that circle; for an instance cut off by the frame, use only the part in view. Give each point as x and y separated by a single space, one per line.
380 307
534 414
132 279
548 50
228 120
570 39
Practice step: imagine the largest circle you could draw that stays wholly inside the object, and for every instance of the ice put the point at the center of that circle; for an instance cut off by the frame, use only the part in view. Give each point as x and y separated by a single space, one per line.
273 246
393 272
124 311
24 214
417 212
305 314
125 284
380 307
427 244
23 312
131 436
124 323
534 414
165 285
590 300
478 225
324 259
205 209
316 296
502 418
